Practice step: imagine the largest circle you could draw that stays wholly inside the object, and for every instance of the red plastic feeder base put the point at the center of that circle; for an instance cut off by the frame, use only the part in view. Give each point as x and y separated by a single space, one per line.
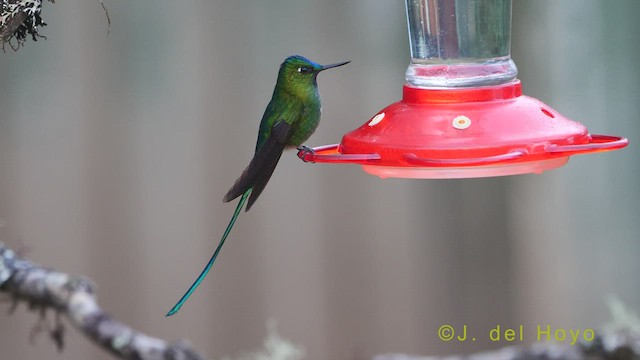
463 133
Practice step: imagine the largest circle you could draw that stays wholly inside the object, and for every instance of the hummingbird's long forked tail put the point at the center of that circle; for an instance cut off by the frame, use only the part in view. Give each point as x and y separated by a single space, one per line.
204 272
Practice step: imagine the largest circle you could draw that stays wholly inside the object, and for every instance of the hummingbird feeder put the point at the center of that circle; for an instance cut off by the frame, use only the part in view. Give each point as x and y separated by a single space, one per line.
462 113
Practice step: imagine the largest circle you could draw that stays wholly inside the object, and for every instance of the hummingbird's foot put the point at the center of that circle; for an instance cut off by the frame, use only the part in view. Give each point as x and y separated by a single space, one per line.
306 153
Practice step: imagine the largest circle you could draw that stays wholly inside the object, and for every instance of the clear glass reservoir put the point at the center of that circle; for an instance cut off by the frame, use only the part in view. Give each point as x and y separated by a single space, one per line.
459 43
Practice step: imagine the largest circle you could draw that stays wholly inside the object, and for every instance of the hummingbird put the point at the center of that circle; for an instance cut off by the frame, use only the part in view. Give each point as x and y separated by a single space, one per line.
292 116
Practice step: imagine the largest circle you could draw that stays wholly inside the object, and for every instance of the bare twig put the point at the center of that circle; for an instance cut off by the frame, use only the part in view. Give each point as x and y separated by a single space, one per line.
73 297
106 12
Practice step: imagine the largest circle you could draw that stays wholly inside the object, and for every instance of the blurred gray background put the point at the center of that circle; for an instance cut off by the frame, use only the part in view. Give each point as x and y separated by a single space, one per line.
115 153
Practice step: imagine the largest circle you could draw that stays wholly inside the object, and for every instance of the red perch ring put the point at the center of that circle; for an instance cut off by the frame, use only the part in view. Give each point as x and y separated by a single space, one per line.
462 133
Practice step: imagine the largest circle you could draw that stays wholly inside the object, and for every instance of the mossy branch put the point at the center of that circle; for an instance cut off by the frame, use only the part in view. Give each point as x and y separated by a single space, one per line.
73 297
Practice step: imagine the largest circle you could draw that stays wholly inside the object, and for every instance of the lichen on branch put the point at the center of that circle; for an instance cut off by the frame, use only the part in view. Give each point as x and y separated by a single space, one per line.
73 297
20 19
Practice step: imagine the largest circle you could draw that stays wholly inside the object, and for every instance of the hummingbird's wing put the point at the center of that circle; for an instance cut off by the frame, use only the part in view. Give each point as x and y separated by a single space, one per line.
261 167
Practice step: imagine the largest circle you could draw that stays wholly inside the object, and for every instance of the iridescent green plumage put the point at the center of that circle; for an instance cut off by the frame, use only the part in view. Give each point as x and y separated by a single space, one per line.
292 116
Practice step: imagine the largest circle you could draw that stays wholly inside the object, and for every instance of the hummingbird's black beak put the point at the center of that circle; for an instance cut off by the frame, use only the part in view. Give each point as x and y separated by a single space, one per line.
325 67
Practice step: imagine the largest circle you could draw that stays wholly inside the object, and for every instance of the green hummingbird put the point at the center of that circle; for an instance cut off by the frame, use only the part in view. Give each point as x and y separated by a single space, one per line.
292 116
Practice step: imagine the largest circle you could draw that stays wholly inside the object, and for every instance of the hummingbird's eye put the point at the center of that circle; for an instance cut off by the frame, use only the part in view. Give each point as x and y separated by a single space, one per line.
304 70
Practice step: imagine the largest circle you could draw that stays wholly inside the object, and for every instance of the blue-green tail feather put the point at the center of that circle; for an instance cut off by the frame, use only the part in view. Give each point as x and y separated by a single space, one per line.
204 272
